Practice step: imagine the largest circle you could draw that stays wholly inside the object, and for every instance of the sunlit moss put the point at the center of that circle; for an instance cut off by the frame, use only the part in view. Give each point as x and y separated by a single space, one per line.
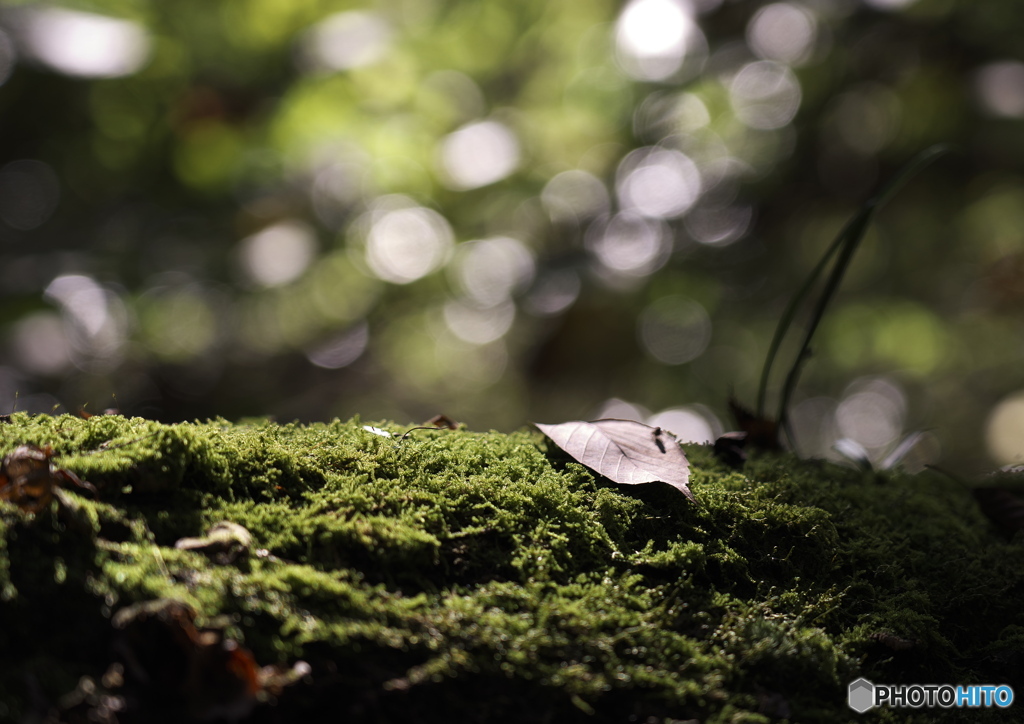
462 568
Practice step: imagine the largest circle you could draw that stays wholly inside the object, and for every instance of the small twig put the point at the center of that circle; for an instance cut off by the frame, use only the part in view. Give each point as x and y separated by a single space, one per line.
414 429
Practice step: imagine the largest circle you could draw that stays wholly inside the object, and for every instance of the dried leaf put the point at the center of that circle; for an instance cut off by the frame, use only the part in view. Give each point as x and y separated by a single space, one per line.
164 655
165 661
624 451
442 422
762 432
28 478
225 543
85 414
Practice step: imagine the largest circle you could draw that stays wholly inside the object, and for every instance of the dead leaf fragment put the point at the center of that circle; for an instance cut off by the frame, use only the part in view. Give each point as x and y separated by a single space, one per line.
165 657
165 663
442 422
624 451
762 432
224 542
28 478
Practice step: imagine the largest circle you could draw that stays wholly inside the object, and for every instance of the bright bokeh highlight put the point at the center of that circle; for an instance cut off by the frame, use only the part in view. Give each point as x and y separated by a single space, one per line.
85 44
407 243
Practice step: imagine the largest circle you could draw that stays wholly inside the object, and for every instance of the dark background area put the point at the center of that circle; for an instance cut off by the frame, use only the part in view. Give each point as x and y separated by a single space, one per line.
513 211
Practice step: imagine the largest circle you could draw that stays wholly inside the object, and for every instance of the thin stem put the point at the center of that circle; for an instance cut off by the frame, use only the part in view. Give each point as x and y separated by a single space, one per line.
790 314
851 240
847 241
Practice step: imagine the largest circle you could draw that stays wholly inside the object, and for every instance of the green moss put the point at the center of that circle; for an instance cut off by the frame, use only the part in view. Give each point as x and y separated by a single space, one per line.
459 576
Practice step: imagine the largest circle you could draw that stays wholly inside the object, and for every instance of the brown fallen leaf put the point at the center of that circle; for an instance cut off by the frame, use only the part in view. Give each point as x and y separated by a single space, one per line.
442 421
224 542
28 478
624 451
165 663
163 657
762 432
85 414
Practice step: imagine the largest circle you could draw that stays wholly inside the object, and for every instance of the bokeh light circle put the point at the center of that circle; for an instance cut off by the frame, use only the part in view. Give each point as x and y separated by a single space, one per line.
85 45
654 37
406 244
345 40
572 196
783 32
1000 88
629 244
658 182
686 423
765 95
674 329
278 254
1004 430
872 413
476 325
490 271
479 154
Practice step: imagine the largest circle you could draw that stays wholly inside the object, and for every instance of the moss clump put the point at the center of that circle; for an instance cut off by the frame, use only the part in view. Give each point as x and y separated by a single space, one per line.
459 576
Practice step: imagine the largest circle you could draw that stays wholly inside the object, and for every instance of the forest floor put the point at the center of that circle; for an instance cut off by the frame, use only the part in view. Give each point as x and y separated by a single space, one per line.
261 572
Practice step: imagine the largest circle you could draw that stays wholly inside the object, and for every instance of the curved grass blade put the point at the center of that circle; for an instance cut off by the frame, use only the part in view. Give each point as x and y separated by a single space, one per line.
790 313
845 244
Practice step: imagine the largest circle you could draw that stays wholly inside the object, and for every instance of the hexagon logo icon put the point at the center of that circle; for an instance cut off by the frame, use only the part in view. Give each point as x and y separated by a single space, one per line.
861 695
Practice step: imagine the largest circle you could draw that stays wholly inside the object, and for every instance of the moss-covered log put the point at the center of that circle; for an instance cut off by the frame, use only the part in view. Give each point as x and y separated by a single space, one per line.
481 577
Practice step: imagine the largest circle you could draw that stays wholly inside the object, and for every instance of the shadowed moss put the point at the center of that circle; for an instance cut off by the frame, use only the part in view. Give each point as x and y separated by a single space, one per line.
460 576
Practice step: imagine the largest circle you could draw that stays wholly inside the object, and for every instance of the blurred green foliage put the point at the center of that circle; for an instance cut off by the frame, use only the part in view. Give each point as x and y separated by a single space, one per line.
291 207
